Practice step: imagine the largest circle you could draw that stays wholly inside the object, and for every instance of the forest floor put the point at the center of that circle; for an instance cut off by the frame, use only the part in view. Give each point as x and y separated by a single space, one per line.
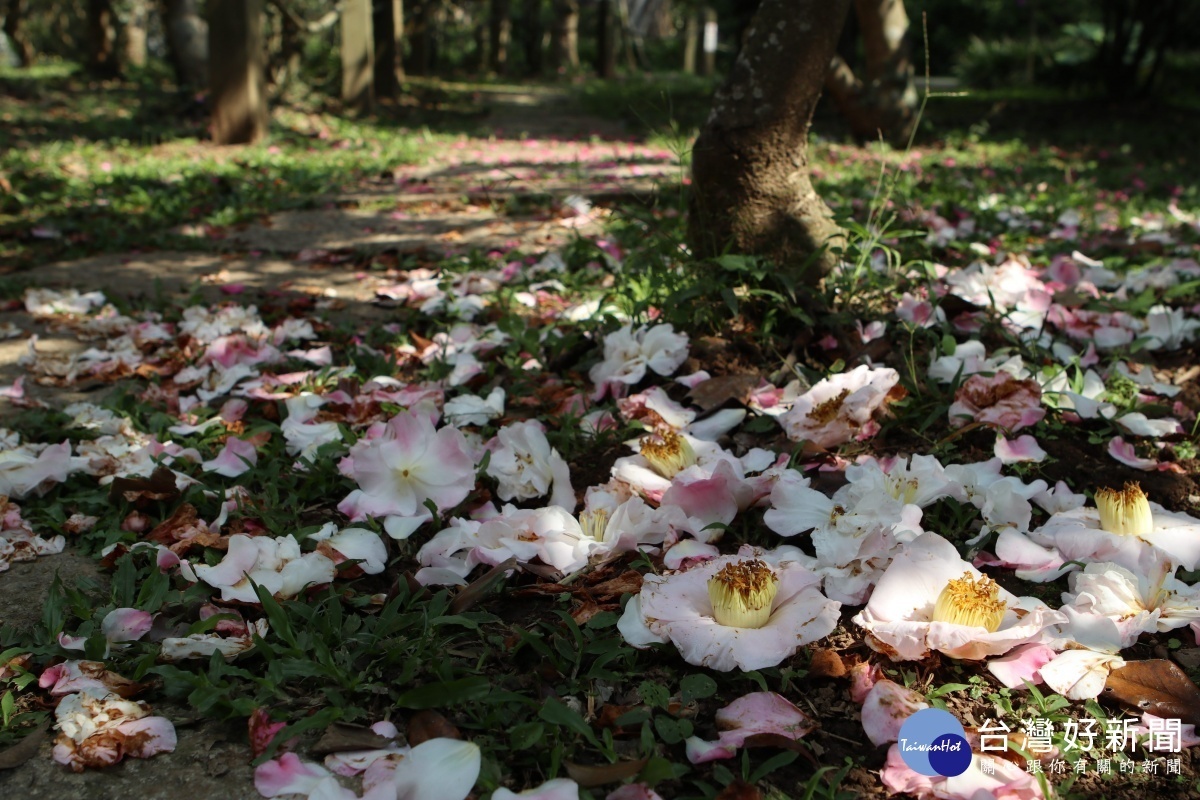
416 244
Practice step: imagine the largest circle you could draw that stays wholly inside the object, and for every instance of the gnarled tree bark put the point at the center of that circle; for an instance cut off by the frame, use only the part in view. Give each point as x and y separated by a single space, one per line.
751 190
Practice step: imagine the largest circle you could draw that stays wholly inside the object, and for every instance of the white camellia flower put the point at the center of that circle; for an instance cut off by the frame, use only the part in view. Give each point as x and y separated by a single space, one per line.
551 535
629 353
526 466
840 407
470 409
930 599
276 564
748 611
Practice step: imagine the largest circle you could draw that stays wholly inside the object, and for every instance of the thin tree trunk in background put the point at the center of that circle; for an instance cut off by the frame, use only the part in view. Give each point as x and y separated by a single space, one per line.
708 64
479 55
532 35
187 41
102 39
499 35
420 47
239 98
751 188
133 33
389 46
691 43
886 100
358 56
12 29
564 36
606 40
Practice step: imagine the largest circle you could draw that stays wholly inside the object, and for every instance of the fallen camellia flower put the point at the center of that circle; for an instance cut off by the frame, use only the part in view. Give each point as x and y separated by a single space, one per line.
747 611
557 789
18 542
79 676
840 407
1004 781
930 599
276 564
230 637
758 714
1001 400
628 354
98 730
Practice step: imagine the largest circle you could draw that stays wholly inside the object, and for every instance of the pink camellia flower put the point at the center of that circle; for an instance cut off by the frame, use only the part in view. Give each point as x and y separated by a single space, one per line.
1001 400
402 464
755 714
1003 780
747 611
834 410
98 730
628 354
930 599
551 535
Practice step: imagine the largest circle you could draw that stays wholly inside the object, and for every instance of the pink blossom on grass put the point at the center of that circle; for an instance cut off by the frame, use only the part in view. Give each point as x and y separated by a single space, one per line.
834 410
1001 400
236 457
1023 449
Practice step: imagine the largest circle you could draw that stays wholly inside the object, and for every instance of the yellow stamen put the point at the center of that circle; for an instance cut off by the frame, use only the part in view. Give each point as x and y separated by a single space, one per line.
971 601
594 523
823 413
1125 512
902 488
668 454
741 594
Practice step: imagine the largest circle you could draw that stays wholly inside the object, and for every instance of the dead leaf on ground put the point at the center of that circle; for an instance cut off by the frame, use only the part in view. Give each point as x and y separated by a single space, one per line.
584 612
141 492
826 664
478 588
341 737
429 724
628 582
22 751
740 790
1158 687
715 391
589 775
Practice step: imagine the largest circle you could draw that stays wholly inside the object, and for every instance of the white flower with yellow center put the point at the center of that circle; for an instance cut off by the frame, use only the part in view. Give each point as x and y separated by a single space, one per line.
930 599
1125 528
748 611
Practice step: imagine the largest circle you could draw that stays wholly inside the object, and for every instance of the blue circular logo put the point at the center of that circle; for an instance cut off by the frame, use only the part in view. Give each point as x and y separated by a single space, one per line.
932 742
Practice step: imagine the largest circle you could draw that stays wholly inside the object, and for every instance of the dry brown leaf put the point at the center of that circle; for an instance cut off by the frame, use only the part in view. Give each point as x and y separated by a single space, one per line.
826 664
141 492
740 790
589 775
429 724
628 582
341 737
1158 687
715 391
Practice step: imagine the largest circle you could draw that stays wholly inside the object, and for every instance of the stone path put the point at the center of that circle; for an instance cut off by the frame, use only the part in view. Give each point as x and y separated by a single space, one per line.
505 191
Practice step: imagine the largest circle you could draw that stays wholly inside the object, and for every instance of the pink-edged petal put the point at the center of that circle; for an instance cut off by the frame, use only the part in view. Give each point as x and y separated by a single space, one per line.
886 707
1124 452
1080 674
147 736
634 791
761 712
1020 450
700 751
1021 665
126 624
238 456
287 775
687 552
557 789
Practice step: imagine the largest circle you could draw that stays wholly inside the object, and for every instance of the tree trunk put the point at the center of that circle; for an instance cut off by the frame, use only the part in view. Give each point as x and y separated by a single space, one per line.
564 36
12 29
239 99
500 34
885 102
187 41
388 24
421 47
708 61
691 43
133 33
606 40
531 36
750 184
102 39
358 56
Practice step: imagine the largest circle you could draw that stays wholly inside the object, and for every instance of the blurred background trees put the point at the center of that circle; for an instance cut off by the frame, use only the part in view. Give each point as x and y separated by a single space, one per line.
355 54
